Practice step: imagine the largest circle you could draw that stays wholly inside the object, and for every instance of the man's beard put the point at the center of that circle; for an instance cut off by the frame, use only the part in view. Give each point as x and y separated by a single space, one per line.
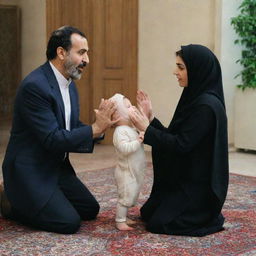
72 70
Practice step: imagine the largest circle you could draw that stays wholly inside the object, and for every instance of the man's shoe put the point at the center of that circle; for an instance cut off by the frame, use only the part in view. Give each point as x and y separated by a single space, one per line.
5 206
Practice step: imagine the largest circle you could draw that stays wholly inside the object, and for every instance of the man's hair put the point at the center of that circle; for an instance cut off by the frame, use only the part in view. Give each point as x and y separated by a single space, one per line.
61 38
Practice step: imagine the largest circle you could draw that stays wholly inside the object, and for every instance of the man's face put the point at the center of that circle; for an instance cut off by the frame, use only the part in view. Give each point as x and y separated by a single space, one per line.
77 57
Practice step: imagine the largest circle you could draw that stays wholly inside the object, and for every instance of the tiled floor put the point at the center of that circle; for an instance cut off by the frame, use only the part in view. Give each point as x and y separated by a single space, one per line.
241 162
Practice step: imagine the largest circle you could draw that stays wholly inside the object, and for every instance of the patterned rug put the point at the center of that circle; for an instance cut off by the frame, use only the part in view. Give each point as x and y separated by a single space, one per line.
100 237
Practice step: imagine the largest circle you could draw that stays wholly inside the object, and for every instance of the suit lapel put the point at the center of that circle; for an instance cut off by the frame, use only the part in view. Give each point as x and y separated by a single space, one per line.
55 86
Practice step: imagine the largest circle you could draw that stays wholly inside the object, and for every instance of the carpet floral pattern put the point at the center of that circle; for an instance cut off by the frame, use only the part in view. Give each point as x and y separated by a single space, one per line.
100 237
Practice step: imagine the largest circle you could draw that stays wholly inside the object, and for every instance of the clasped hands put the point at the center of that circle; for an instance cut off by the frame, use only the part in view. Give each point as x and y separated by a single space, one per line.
104 117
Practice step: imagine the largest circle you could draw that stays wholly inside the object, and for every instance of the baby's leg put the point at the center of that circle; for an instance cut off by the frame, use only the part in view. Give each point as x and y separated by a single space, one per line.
121 217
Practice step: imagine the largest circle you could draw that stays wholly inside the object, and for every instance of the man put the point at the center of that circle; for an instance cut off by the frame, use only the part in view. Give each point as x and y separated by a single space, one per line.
39 181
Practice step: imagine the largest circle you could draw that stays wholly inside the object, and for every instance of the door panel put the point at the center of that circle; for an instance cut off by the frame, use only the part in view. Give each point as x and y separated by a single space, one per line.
111 27
58 14
115 50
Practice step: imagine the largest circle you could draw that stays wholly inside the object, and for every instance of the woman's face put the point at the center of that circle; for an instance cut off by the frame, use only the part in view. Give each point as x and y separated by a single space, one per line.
181 72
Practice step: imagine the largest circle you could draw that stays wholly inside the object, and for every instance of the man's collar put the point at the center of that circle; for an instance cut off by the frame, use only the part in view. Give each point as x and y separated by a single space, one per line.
60 78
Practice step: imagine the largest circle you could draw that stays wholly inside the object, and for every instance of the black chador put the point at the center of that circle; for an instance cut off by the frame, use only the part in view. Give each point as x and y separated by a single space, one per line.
190 157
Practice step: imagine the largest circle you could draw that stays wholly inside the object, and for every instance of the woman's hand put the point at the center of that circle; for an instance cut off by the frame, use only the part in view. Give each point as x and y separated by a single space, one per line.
144 104
139 119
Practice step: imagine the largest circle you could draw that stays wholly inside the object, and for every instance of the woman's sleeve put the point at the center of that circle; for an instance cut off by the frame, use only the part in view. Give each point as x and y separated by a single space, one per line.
195 128
157 124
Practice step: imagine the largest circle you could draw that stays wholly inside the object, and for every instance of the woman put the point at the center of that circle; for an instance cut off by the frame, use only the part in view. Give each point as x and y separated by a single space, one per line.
190 157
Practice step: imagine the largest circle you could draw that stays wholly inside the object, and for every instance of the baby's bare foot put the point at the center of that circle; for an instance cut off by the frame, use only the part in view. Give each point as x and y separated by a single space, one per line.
123 226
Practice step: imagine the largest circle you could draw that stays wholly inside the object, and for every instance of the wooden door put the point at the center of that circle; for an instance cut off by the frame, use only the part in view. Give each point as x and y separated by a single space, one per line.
76 14
114 46
111 27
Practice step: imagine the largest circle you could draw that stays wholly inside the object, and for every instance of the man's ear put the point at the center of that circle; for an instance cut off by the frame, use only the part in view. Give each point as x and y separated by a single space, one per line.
61 53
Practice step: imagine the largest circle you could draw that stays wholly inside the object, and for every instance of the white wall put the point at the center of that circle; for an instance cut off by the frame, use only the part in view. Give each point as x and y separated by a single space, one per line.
165 25
10 2
228 56
33 33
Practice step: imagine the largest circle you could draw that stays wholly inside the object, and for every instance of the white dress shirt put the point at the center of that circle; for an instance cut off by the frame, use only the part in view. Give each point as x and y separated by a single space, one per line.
64 89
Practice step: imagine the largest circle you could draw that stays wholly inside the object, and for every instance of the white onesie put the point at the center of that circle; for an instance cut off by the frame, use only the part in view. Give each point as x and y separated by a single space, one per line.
130 169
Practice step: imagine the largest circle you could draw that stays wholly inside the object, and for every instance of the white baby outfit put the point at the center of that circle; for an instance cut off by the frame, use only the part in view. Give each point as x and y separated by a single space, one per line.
130 169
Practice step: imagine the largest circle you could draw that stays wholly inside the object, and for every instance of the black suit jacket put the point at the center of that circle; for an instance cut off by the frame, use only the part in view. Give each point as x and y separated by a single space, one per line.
39 140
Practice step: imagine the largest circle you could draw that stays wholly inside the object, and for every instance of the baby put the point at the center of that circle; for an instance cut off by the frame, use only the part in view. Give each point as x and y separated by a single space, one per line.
129 172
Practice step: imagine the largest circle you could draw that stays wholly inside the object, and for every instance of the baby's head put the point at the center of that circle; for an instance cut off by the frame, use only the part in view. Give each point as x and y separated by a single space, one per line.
122 106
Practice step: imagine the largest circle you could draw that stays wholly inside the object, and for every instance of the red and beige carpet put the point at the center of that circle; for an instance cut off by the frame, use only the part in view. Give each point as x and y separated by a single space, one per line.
100 237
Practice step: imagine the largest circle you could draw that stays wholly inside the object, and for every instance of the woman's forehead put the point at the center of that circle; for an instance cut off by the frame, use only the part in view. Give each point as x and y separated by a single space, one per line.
179 61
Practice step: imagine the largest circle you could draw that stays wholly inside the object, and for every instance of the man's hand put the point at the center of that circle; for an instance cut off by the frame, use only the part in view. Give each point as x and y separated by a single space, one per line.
139 119
103 117
144 104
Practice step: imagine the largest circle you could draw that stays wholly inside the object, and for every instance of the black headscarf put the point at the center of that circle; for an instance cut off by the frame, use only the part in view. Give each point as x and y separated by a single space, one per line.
204 77
205 88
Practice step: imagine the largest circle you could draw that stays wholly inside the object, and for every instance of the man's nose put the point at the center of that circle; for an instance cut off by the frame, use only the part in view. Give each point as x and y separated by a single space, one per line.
86 58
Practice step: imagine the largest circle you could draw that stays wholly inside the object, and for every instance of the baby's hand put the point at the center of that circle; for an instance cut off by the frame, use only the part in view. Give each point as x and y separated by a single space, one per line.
141 137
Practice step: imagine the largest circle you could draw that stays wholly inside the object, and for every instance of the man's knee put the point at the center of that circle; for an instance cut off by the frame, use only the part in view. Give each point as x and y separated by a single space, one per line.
69 226
92 212
64 222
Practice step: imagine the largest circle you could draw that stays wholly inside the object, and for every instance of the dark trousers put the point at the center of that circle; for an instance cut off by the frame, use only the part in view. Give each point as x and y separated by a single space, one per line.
70 203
